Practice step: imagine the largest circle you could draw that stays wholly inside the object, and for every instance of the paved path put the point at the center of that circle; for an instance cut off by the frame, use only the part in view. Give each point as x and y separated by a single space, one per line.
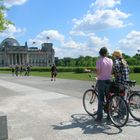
40 109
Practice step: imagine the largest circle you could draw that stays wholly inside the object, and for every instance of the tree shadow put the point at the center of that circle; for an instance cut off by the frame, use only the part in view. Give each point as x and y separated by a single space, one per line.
88 125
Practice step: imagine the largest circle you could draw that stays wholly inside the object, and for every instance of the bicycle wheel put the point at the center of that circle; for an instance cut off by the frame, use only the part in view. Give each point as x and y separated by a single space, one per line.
134 105
90 102
118 111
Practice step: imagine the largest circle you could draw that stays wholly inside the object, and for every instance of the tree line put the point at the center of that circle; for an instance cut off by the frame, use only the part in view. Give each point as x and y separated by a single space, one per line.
89 61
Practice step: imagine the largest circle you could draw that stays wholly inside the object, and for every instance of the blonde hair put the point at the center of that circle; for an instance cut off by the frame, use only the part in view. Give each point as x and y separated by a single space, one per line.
124 62
117 53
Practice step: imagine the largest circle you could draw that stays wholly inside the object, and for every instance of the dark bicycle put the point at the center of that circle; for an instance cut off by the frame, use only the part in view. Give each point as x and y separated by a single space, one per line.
114 105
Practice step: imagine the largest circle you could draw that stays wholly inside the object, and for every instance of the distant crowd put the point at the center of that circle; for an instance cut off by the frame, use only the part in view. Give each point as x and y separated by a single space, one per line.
20 70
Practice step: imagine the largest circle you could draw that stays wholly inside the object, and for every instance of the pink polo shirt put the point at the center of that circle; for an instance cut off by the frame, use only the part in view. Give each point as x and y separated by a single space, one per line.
104 68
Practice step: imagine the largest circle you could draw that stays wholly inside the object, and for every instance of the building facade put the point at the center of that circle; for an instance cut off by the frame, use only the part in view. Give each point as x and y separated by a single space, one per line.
12 53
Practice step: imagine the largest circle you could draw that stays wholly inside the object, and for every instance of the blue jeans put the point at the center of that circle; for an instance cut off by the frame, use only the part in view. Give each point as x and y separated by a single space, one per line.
103 89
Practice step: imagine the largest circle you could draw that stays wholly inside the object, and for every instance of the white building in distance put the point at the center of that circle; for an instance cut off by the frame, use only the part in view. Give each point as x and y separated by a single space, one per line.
11 53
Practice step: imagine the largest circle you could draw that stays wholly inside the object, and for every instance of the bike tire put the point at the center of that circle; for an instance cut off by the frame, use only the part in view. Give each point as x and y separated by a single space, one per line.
90 102
118 111
134 105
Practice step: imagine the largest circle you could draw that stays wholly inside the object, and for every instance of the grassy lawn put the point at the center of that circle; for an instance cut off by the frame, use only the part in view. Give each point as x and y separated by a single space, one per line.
64 75
77 76
80 76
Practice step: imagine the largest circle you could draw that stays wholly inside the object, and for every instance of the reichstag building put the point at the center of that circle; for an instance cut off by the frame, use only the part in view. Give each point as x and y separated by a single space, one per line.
12 53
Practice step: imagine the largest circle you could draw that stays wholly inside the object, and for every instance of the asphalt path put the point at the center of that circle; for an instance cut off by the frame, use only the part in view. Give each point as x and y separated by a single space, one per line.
40 109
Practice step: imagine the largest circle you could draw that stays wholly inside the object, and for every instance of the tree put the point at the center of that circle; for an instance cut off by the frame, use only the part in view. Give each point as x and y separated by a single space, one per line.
3 21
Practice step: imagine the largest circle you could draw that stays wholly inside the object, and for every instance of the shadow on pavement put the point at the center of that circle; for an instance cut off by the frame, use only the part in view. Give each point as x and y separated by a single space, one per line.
133 123
88 125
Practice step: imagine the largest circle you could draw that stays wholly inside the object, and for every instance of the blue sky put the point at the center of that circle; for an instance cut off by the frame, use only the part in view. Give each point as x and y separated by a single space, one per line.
76 27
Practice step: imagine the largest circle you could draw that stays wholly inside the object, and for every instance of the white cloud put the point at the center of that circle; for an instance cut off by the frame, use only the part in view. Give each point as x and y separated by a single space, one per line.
106 3
9 3
98 42
54 35
12 30
131 43
90 47
71 48
71 44
102 18
95 43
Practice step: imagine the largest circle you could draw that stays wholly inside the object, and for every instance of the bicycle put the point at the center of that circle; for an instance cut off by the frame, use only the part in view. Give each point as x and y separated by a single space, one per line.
132 98
116 107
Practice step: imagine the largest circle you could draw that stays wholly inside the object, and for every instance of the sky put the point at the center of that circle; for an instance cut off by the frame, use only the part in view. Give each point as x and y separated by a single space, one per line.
75 27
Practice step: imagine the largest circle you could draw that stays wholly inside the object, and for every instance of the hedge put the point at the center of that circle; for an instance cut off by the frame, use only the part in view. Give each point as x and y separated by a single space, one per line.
133 69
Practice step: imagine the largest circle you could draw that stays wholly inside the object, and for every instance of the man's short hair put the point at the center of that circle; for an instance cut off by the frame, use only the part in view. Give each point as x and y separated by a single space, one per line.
103 51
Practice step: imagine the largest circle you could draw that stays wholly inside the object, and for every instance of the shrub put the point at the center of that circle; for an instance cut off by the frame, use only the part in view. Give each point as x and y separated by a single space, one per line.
136 70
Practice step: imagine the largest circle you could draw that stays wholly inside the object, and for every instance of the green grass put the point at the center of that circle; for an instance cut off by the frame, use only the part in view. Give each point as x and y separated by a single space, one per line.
80 76
64 75
76 76
135 76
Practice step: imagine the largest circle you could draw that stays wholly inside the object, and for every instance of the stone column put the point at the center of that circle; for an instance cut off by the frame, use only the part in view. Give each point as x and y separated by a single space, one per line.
15 58
8 60
19 57
12 59
27 58
22 59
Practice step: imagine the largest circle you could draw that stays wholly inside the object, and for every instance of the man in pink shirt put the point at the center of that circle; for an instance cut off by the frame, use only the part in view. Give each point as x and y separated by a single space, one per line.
104 71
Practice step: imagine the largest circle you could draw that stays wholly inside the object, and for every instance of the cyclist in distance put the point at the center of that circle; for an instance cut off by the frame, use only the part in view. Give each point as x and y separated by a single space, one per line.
104 72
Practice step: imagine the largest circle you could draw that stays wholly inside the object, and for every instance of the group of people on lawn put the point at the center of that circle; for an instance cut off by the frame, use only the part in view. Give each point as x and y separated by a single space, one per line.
22 70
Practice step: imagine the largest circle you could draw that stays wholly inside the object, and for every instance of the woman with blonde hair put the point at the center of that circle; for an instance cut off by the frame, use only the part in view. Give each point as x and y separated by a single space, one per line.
120 68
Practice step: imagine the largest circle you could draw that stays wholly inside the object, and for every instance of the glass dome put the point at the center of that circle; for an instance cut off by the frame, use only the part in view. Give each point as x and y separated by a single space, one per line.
9 42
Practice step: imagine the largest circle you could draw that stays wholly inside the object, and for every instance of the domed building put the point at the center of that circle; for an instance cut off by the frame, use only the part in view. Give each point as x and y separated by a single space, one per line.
12 53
